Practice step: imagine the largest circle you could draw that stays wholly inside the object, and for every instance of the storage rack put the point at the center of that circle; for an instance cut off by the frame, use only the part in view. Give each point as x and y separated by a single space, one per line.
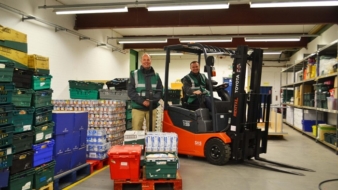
331 50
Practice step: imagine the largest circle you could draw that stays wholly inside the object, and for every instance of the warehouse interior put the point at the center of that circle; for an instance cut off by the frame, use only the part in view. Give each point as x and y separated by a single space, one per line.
90 47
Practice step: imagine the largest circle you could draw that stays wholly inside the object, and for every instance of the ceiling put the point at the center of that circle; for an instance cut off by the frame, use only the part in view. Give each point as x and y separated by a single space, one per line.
237 21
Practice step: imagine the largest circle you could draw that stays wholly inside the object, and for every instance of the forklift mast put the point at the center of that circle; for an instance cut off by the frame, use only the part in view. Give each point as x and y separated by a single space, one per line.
247 107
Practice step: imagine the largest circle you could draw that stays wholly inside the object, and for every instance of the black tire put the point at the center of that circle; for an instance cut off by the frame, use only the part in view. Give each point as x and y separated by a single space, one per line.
217 152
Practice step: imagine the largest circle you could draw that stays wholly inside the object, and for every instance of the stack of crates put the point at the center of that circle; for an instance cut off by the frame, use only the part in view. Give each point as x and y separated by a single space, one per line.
128 115
308 99
84 90
321 93
161 159
287 95
70 134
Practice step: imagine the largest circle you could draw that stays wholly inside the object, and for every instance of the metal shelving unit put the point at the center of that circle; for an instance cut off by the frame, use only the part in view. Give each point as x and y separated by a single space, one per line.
328 50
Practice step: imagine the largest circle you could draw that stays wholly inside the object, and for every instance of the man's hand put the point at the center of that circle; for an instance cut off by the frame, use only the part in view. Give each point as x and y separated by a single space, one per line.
146 103
197 92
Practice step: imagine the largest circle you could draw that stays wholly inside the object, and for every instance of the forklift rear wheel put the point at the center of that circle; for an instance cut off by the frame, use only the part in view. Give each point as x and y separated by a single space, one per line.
217 152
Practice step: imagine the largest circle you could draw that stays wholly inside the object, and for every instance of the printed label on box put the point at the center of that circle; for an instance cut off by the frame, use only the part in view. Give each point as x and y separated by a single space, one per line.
124 163
48 136
27 127
39 136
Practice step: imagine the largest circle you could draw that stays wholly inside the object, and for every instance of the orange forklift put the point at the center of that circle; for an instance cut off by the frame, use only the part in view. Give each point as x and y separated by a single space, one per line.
228 131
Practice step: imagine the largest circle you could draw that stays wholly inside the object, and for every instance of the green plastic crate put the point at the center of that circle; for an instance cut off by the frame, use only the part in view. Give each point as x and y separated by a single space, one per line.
38 71
128 104
6 71
44 174
23 119
22 97
287 95
6 135
42 115
43 132
128 124
84 94
6 91
6 157
23 141
6 114
322 95
321 87
42 98
85 85
128 114
22 180
41 82
161 168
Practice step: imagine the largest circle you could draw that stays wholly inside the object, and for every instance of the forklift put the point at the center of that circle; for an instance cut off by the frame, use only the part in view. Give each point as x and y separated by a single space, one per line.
229 130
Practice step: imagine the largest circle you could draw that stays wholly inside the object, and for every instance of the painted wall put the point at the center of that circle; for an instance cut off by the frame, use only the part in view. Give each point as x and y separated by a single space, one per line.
70 58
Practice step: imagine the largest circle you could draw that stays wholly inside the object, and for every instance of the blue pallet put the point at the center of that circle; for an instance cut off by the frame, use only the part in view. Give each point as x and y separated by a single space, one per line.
67 178
43 152
63 143
4 178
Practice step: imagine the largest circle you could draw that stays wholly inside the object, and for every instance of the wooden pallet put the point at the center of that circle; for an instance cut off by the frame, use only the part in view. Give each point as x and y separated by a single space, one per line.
97 164
47 187
150 184
67 178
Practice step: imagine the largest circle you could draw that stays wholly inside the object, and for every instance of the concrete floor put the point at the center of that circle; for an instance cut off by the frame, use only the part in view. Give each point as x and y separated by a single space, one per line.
295 149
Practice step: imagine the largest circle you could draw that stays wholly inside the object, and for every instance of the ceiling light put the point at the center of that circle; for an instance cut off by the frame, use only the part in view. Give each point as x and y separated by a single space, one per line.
90 11
192 6
272 53
295 4
155 54
142 40
273 39
206 39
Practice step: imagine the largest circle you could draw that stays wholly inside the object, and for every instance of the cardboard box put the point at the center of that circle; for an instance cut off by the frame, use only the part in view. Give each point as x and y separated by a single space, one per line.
38 62
335 82
12 35
19 58
296 93
304 88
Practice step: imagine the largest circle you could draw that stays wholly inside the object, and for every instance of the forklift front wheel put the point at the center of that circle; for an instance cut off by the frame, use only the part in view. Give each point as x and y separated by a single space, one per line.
217 152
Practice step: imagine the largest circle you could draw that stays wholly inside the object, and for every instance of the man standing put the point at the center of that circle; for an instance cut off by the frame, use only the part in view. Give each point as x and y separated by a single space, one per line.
143 84
195 84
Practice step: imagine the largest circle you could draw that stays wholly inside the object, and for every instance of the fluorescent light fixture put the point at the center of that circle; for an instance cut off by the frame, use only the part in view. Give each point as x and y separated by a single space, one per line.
192 6
142 40
155 54
273 39
206 39
295 4
272 53
90 11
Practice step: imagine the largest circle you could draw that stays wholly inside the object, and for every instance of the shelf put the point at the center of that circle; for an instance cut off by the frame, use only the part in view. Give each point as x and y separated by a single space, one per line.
309 108
287 86
326 110
327 76
298 66
328 144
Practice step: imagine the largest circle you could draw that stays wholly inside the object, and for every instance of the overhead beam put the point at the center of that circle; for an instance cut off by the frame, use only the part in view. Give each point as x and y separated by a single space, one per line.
236 15
235 43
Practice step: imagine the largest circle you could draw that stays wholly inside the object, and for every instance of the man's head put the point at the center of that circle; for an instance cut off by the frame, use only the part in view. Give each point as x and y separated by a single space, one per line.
195 67
146 61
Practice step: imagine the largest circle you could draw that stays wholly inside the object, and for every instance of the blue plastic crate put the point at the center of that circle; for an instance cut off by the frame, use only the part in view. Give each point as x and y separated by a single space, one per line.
78 157
4 176
63 143
63 162
307 124
43 152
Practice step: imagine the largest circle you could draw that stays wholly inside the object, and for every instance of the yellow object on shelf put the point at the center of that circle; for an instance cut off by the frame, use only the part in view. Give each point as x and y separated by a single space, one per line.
176 85
38 62
12 35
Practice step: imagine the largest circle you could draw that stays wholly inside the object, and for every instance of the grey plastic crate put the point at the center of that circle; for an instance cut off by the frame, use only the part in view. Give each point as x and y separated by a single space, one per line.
108 94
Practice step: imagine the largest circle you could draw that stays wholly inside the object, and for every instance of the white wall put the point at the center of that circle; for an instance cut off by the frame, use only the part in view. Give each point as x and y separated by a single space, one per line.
70 58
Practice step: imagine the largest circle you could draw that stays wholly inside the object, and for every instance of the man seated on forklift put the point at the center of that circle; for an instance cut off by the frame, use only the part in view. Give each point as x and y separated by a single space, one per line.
194 85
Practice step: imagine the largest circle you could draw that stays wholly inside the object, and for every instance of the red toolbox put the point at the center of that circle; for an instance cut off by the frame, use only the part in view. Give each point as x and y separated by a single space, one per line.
124 162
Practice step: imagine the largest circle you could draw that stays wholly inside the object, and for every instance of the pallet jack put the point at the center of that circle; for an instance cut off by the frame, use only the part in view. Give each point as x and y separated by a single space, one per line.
231 132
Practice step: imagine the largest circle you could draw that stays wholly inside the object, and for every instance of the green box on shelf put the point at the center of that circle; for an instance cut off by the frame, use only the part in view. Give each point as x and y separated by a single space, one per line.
6 157
43 132
23 119
6 71
6 114
42 115
22 180
83 94
6 135
42 98
6 91
41 82
38 71
22 97
82 85
162 167
14 45
44 174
